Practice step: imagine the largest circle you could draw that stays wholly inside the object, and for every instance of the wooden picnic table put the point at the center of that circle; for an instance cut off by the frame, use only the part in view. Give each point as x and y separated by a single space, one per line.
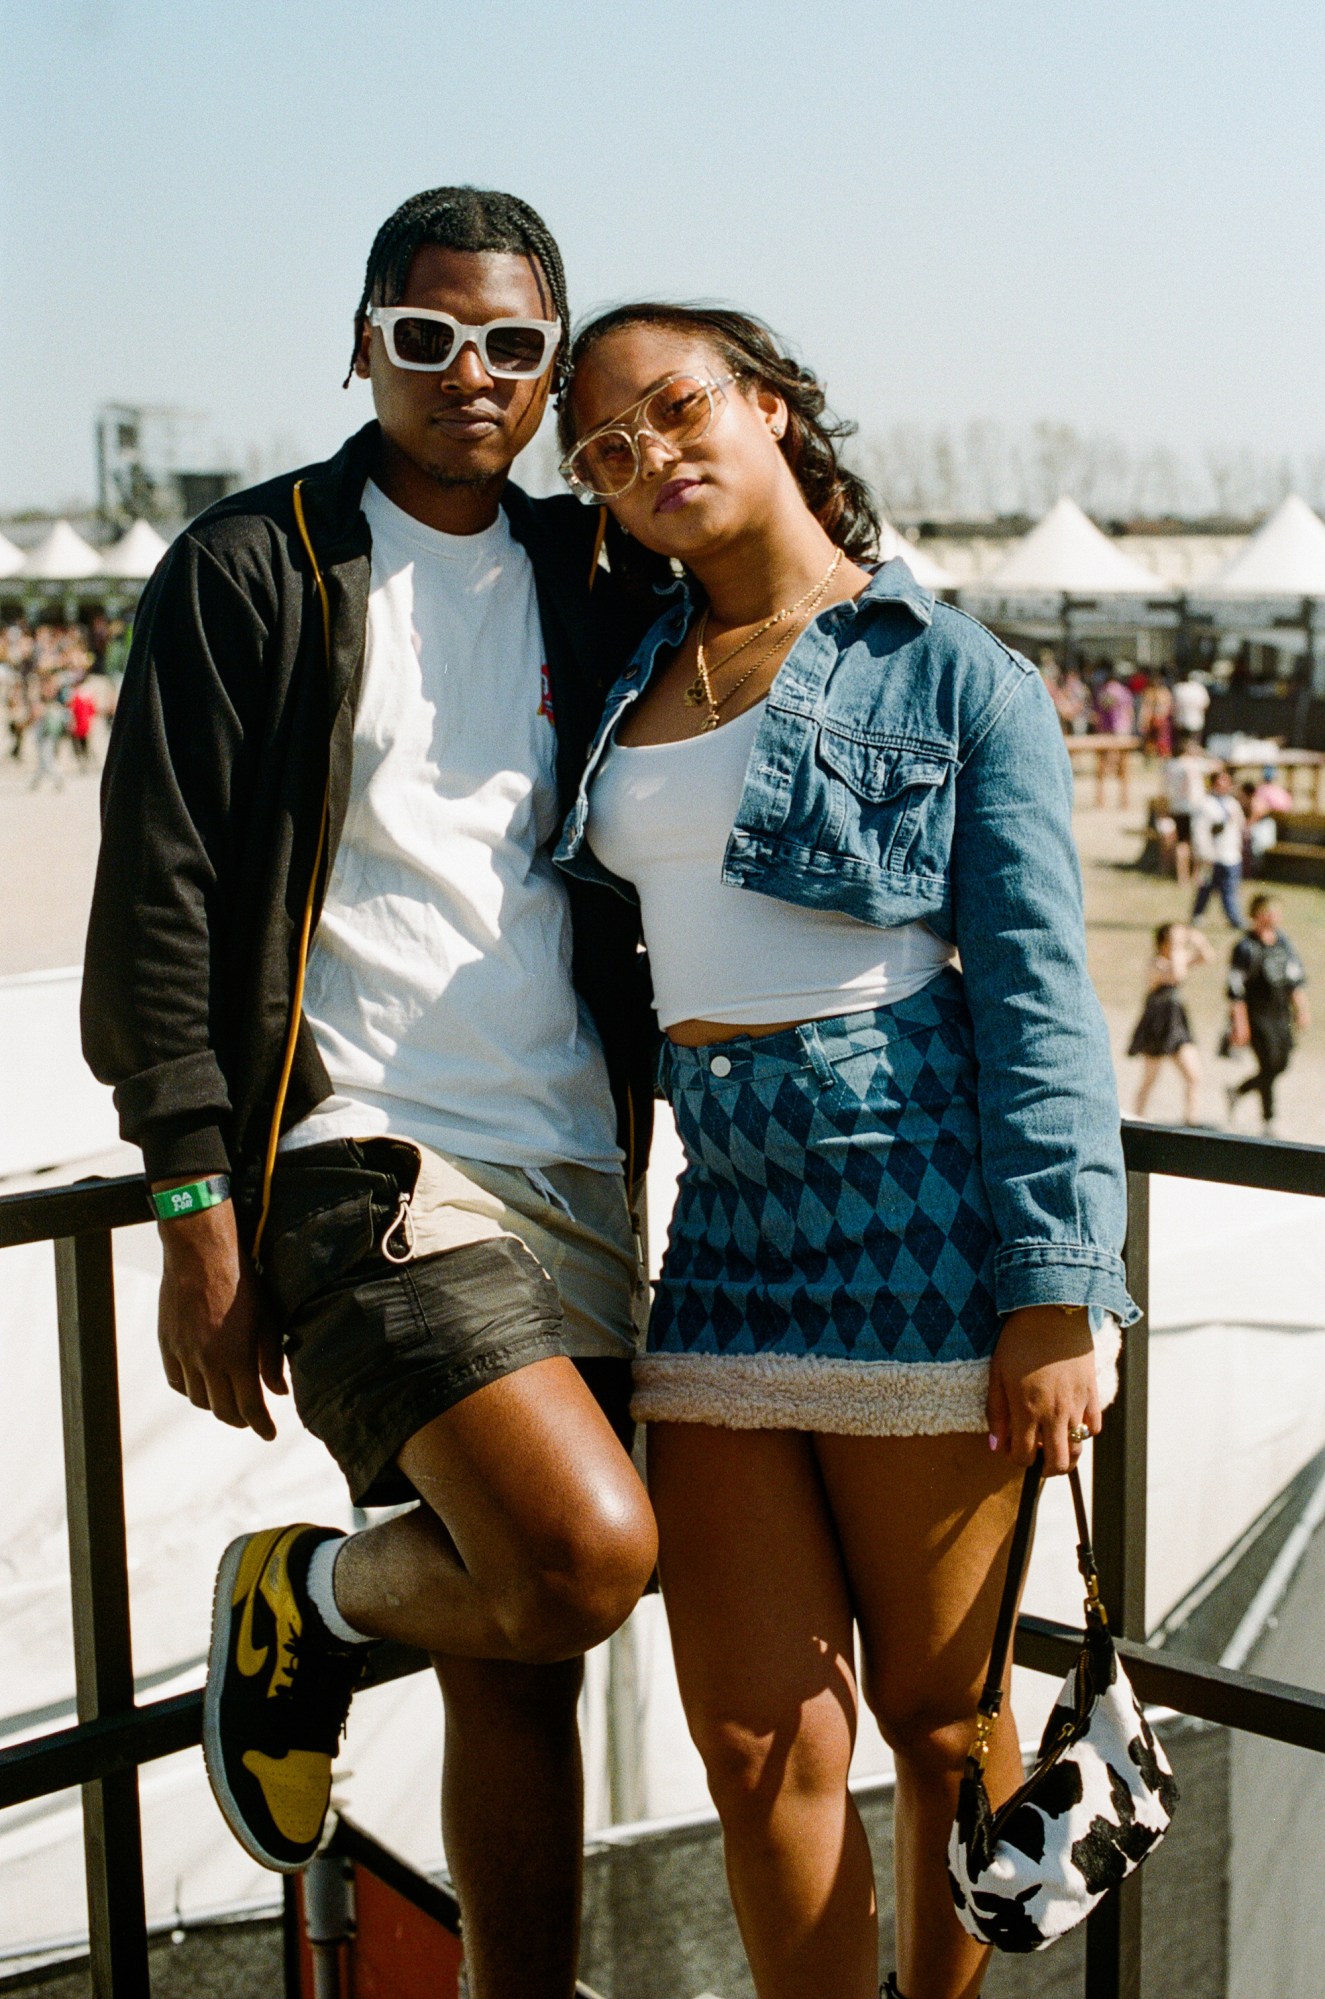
1303 772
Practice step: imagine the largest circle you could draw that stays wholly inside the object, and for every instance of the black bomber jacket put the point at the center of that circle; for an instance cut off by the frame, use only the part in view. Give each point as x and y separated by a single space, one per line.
224 796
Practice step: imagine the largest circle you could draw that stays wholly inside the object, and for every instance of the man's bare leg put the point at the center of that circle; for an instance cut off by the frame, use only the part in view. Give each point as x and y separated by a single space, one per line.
535 1537
534 1541
512 1822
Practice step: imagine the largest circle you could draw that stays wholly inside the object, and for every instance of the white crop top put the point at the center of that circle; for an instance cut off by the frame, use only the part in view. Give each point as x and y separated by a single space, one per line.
660 817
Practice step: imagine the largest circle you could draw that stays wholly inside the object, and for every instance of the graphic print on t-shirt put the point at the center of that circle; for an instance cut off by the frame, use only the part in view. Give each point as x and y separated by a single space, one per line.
439 989
545 695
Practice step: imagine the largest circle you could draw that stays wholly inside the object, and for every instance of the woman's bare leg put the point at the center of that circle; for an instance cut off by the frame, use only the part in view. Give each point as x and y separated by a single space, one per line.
1151 1066
761 1627
1189 1065
924 1524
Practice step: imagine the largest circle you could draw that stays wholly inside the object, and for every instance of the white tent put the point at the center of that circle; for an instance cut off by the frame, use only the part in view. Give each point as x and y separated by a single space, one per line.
1284 558
62 557
11 558
1065 554
135 554
929 574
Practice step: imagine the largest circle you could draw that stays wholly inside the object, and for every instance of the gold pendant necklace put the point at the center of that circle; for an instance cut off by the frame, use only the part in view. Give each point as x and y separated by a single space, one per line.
700 691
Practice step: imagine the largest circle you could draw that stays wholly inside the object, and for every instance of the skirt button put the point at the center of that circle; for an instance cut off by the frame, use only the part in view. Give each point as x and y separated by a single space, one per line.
720 1065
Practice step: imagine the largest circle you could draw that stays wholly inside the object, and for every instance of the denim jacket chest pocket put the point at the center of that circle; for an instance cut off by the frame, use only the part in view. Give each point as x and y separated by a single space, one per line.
882 800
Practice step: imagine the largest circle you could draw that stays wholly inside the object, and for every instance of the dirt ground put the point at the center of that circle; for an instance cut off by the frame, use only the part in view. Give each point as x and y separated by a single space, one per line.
48 847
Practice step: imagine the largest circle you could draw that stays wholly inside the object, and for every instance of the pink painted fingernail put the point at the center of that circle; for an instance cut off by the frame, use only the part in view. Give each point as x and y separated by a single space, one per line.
993 1441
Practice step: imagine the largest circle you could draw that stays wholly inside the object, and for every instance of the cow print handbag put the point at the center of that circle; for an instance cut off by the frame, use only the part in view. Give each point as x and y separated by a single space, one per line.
1099 1799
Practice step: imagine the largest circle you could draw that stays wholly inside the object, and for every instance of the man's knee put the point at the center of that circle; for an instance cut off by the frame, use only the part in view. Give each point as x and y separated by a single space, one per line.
582 1580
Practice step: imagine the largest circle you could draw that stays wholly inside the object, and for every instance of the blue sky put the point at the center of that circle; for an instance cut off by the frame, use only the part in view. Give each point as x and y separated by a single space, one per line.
1111 215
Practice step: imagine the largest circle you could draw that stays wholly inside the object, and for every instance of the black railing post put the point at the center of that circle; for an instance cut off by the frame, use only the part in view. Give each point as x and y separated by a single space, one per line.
99 1581
1113 1934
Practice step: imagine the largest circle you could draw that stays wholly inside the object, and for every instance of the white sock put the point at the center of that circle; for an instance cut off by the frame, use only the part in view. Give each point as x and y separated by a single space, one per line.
321 1586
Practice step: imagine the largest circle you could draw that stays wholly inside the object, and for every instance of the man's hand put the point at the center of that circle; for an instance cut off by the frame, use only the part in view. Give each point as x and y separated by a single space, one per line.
1042 1384
219 1343
1239 1024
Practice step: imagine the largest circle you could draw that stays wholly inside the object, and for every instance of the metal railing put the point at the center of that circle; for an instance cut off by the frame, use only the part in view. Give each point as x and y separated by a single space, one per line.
115 1734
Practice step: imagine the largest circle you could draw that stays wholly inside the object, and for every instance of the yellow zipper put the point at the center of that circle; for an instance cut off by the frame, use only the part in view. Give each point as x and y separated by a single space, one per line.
306 929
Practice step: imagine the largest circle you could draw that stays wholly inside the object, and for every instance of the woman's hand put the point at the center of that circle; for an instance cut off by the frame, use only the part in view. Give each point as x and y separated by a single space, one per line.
1042 1384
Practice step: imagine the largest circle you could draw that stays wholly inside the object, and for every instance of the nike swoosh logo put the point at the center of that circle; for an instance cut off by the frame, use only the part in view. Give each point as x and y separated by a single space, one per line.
249 1658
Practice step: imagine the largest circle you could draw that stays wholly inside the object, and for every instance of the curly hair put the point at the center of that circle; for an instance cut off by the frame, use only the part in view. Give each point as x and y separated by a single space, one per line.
840 501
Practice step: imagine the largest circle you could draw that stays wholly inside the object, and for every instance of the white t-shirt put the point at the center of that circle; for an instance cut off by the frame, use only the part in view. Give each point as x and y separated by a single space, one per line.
1217 824
1190 701
439 989
1184 782
660 816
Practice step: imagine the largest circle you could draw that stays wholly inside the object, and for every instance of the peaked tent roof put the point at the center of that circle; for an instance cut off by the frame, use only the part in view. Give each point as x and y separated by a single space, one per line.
1284 558
1066 552
62 557
11 558
929 574
135 554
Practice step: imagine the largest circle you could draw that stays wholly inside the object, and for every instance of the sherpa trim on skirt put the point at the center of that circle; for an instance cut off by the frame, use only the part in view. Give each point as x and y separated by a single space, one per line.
843 1398
830 1261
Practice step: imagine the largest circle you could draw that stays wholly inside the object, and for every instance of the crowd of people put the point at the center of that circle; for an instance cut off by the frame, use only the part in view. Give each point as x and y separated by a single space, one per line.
1114 698
1127 705
1213 834
56 679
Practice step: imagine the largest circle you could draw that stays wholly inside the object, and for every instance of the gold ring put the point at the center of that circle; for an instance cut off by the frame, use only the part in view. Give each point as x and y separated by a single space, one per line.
1078 1433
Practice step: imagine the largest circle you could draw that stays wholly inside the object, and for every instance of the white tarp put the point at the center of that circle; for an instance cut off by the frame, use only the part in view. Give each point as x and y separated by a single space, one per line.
135 554
62 556
931 575
53 1111
1066 554
1284 558
11 558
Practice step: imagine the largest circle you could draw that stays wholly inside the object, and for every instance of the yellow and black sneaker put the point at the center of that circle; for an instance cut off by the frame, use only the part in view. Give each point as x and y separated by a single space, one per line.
279 1687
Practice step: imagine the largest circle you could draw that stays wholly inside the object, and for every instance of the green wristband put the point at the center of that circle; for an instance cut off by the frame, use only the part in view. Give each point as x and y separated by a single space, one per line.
173 1203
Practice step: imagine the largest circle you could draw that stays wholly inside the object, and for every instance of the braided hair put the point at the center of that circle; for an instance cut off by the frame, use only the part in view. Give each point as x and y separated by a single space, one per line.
459 218
840 501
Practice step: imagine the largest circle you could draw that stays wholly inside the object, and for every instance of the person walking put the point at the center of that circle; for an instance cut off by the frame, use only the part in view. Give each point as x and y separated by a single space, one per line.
1217 830
50 719
82 715
1115 718
1184 788
1191 704
1267 1002
1164 1032
895 1250
391 1075
1154 717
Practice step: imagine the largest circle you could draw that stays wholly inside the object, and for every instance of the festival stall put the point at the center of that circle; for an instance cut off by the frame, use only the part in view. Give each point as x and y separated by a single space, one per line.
931 575
1265 611
135 555
1066 584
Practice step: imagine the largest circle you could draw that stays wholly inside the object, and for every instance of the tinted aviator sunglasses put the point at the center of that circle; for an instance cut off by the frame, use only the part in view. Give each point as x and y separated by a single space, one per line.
417 337
607 462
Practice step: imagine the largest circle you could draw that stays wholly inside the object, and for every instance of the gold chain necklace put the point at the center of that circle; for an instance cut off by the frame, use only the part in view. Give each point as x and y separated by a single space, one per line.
700 690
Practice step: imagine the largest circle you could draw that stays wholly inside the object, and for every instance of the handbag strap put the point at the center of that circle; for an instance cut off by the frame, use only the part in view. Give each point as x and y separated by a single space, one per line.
1019 1555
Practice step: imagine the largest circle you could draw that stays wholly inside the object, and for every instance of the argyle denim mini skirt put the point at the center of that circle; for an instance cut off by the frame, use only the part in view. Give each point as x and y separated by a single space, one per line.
830 1262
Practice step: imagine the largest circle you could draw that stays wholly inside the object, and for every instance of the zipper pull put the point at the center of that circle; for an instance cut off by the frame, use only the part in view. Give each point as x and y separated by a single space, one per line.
402 1225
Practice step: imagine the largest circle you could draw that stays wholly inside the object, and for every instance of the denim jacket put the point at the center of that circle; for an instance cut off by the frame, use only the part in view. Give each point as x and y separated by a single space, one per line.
909 767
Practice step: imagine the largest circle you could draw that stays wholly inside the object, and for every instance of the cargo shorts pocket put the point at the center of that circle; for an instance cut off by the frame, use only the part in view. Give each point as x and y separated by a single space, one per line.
315 1252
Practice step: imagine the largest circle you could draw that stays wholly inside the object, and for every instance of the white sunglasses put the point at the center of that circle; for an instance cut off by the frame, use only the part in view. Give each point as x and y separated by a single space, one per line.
428 341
